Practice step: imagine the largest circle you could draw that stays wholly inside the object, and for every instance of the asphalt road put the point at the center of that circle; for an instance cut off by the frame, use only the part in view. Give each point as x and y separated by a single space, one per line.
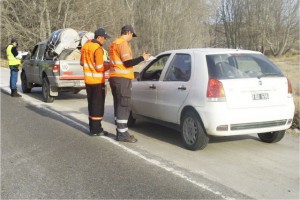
44 156
46 153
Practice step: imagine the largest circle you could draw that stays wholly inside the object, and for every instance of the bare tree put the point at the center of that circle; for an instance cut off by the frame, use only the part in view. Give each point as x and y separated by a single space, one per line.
283 25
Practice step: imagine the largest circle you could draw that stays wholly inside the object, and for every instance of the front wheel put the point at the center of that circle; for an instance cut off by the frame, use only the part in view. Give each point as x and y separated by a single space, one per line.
271 137
25 85
46 90
192 131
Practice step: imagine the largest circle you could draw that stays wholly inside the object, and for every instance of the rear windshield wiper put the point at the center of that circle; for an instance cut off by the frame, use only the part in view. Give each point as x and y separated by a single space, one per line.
270 74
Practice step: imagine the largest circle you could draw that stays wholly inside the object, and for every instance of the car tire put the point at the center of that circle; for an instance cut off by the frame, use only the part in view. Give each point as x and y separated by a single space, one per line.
192 131
25 84
46 91
131 120
271 137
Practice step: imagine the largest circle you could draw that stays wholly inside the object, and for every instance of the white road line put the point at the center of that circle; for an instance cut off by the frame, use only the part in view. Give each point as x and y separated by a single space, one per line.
149 160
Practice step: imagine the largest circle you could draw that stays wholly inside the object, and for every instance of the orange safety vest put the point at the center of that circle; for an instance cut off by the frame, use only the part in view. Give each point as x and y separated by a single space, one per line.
117 67
93 72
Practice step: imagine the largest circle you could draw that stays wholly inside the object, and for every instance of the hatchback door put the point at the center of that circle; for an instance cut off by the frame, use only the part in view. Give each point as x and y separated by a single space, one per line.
249 80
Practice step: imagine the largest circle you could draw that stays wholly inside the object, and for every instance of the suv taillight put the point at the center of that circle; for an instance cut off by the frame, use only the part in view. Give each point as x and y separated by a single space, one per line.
56 68
215 89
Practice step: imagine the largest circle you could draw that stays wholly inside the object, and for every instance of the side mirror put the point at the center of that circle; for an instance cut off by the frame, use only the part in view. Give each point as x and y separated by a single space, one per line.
137 76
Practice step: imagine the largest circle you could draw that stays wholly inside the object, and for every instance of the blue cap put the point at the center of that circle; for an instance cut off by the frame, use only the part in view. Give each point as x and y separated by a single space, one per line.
13 40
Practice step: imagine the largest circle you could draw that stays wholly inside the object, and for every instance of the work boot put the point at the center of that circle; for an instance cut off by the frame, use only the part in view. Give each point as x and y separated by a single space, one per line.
126 138
14 93
97 133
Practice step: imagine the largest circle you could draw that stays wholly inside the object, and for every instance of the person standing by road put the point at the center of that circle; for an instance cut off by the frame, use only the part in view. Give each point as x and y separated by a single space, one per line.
121 74
13 62
94 67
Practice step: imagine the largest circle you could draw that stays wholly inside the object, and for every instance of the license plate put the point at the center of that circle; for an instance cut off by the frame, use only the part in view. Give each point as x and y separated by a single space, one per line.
260 96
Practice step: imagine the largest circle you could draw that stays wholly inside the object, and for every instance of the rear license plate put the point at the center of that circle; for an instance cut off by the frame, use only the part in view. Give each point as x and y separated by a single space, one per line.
260 96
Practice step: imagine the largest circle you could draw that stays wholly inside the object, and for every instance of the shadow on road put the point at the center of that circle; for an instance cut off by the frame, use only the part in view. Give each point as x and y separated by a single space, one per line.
143 127
36 93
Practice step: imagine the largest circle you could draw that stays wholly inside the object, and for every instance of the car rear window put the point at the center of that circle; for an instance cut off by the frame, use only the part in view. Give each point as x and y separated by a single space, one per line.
231 66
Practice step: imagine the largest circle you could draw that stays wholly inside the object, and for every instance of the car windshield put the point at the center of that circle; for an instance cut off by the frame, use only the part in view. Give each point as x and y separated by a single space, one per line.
231 66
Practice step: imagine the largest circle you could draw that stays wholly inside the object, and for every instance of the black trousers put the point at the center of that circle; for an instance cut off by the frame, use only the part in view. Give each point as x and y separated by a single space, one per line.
121 91
96 100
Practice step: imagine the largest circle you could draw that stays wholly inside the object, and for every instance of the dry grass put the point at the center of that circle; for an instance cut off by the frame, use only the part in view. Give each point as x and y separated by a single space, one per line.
290 67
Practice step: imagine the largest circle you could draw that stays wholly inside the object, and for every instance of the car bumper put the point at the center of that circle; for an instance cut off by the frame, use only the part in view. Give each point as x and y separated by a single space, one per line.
221 121
69 84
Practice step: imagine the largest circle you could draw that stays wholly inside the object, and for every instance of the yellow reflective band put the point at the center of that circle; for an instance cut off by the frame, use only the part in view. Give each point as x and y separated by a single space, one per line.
122 121
125 55
115 62
99 66
96 118
92 74
122 130
121 71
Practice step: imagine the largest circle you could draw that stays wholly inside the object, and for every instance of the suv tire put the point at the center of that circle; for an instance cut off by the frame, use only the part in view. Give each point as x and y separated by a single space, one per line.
46 90
25 85
271 137
192 131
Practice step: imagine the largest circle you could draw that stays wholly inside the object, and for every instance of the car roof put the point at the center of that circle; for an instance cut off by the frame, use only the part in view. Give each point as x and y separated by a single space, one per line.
42 42
211 51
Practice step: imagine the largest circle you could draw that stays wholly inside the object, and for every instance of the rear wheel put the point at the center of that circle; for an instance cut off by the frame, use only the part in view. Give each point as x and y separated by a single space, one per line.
271 137
46 90
25 85
192 132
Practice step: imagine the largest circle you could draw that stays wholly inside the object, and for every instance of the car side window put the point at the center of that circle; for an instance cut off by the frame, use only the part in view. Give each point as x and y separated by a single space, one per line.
41 51
34 52
180 68
153 71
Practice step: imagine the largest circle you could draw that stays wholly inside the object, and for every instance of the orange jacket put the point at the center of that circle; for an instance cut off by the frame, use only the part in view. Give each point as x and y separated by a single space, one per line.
92 62
120 52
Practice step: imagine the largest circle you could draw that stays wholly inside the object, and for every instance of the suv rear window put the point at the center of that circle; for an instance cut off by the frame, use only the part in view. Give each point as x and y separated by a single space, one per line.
231 66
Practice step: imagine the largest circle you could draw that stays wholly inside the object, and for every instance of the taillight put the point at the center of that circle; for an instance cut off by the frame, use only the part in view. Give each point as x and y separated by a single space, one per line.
56 68
290 89
215 89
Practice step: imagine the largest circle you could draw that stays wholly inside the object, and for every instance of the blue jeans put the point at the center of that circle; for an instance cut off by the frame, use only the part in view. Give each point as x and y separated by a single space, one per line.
13 76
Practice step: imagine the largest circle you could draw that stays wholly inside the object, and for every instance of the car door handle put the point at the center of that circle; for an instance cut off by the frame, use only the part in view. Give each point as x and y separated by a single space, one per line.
152 86
182 87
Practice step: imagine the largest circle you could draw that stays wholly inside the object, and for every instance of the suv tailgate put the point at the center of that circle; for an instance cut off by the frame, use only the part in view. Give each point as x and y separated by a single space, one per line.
70 70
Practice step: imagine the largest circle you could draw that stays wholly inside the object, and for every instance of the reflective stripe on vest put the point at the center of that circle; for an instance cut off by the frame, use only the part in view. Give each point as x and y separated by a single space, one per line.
117 68
12 60
122 71
90 74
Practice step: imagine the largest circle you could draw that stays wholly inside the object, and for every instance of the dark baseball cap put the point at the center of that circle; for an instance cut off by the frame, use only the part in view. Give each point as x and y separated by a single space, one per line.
13 40
101 32
128 28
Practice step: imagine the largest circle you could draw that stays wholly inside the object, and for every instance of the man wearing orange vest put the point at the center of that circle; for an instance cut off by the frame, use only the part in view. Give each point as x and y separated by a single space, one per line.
121 74
94 68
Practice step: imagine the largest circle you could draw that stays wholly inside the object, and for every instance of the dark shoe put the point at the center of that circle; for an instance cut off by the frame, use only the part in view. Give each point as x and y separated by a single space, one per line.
14 93
98 133
129 138
94 134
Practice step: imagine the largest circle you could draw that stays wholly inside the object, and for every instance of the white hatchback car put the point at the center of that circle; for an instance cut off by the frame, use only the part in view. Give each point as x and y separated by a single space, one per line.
218 92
